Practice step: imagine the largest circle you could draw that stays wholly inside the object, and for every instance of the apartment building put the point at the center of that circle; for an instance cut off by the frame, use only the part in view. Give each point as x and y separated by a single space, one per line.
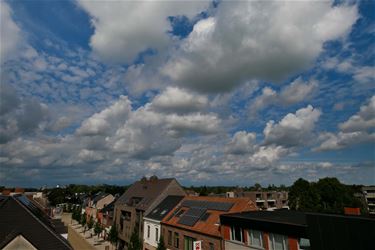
265 200
369 196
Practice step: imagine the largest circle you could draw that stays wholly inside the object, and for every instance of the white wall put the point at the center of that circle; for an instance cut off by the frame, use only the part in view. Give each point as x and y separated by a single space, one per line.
153 226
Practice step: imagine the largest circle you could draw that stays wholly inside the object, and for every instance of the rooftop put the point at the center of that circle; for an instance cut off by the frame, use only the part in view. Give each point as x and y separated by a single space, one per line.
19 216
159 212
202 214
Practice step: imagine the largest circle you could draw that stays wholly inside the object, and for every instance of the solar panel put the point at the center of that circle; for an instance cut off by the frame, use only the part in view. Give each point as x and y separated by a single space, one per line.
211 205
192 216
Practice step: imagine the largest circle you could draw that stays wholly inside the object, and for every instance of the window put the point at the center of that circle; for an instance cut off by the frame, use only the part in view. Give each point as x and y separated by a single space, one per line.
236 234
256 238
169 237
188 243
205 216
304 244
212 246
148 231
176 240
278 242
157 234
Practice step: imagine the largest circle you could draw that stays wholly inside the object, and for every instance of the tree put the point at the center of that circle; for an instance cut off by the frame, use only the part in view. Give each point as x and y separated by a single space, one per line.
135 243
90 223
83 219
113 235
161 245
98 228
303 196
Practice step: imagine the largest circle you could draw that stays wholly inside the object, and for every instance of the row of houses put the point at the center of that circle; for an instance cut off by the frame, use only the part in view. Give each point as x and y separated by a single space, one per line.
159 209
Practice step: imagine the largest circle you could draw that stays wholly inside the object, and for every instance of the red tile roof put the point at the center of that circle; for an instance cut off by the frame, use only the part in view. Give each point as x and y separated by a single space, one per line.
211 225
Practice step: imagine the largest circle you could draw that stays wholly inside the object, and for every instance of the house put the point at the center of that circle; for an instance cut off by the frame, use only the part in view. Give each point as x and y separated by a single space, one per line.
152 227
292 230
198 219
96 203
138 200
24 226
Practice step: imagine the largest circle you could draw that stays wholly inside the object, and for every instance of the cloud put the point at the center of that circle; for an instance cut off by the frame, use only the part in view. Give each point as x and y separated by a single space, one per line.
19 115
176 100
331 141
104 122
242 142
358 129
363 120
11 35
293 129
297 91
125 28
251 40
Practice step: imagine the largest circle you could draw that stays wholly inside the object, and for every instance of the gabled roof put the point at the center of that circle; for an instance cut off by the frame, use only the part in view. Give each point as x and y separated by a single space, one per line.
142 193
159 212
18 216
98 197
109 207
201 214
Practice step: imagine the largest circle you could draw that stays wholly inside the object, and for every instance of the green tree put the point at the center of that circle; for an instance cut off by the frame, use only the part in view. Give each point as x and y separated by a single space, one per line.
90 223
98 228
83 219
303 196
113 235
135 243
161 245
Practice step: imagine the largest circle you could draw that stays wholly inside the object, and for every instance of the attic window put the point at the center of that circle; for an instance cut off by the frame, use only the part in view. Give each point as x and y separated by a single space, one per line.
155 211
163 212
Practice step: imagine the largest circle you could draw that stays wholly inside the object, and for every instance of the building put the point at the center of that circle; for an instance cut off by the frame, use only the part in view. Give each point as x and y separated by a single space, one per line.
197 219
138 200
24 226
265 200
292 230
369 196
96 203
152 226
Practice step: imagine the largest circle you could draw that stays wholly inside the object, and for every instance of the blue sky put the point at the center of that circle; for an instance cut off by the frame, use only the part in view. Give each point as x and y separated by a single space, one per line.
216 93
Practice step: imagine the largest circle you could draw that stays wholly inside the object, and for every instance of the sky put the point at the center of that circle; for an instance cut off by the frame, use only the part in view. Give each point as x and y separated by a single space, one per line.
208 92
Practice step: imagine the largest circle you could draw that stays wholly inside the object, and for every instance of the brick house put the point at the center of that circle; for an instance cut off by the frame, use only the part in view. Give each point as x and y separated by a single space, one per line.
197 219
138 200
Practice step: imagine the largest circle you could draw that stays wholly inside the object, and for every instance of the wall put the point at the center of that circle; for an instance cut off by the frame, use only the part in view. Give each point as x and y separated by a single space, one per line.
206 239
151 242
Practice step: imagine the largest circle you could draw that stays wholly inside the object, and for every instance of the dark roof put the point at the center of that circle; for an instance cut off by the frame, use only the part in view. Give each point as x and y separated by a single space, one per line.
110 207
18 216
284 221
164 207
98 197
142 193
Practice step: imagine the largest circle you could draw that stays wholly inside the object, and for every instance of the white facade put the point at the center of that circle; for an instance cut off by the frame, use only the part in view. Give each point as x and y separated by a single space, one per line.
151 233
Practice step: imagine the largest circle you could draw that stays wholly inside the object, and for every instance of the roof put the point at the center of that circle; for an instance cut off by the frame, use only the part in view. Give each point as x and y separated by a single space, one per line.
201 214
19 216
98 197
283 221
142 193
164 207
110 207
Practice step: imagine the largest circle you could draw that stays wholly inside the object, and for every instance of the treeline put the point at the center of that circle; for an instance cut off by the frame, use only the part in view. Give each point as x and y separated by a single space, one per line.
206 190
73 193
327 195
